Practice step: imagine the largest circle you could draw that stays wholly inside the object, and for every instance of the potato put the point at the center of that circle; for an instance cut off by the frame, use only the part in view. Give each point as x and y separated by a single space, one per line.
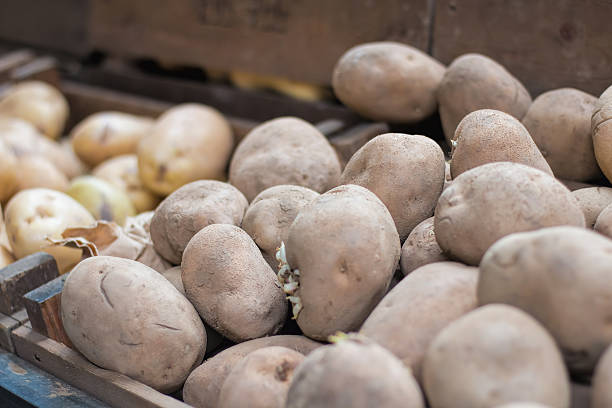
104 135
188 142
444 290
353 373
284 151
71 165
559 122
203 385
601 131
603 224
382 166
6 257
487 136
126 317
268 218
472 82
523 405
388 81
561 276
261 379
38 103
602 393
421 248
37 171
491 201
191 208
122 172
493 355
448 179
9 180
103 200
342 252
231 285
592 201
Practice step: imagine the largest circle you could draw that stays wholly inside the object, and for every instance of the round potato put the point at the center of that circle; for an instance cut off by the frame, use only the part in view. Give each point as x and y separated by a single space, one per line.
261 379
103 200
568 268
559 122
388 82
592 201
601 130
9 181
104 135
38 103
189 209
188 142
126 317
602 393
472 82
284 151
421 248
603 224
487 136
38 172
381 166
493 355
491 201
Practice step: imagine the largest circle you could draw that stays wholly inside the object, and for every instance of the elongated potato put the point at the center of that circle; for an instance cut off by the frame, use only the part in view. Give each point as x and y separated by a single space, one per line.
103 200
602 394
421 248
592 201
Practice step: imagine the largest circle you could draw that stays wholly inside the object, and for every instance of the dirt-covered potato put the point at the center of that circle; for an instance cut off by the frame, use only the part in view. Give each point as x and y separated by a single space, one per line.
203 385
561 276
487 136
122 172
491 201
410 316
603 224
37 172
103 200
126 317
421 248
592 201
191 208
472 82
187 142
38 103
382 166
602 392
494 355
353 373
285 150
261 379
341 254
601 131
104 135
388 81
270 214
231 284
9 179
559 122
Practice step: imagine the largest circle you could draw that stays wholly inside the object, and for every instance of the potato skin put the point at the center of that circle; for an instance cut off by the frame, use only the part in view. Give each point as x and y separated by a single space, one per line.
285 150
126 317
189 209
523 405
592 201
445 290
388 81
8 173
38 172
602 394
498 199
487 136
603 224
382 166
421 248
103 200
601 131
472 82
559 122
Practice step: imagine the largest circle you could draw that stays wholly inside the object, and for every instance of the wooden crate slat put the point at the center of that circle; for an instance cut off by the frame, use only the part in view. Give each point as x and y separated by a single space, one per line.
7 325
11 60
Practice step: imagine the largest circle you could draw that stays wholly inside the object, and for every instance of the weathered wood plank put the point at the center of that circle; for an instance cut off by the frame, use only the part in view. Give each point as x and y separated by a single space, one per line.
11 60
7 325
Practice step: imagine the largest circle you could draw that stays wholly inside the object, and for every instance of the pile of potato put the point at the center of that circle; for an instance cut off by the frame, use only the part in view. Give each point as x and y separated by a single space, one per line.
454 273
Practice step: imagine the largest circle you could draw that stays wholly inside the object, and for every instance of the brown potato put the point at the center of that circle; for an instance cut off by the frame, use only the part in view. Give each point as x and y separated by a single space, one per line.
103 200
491 201
284 151
9 181
37 171
421 248
388 81
188 142
601 130
603 224
448 178
559 122
592 201
561 276
189 209
472 82
602 393
523 405
382 166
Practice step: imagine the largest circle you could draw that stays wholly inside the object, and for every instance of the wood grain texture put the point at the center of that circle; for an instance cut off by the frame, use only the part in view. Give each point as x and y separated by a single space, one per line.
7 325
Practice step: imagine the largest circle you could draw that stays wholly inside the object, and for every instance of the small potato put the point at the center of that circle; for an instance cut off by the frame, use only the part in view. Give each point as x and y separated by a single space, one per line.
189 209
421 248
188 142
9 181
560 276
487 136
559 122
71 165
231 285
445 290
493 355
472 82
122 172
284 151
103 200
491 201
104 135
603 224
126 317
602 392
382 166
261 379
601 130
592 201
38 103
388 81
353 373
37 171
